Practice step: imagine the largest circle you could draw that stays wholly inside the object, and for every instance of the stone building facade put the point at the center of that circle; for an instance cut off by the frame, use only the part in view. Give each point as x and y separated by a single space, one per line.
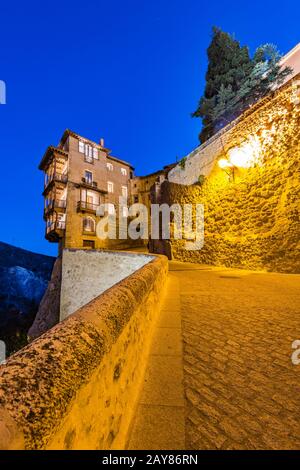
141 186
79 176
144 190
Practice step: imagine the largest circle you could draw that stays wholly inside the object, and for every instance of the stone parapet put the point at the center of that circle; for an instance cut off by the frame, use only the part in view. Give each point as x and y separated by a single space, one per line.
76 386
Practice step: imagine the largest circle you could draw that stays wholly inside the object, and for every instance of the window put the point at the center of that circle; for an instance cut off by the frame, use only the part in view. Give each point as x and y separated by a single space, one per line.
110 187
109 166
89 199
124 171
124 191
110 208
81 147
89 244
136 199
92 197
61 221
88 224
88 177
90 152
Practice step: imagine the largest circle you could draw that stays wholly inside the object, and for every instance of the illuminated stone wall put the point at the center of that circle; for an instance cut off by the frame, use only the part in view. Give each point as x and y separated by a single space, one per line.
75 387
257 120
253 221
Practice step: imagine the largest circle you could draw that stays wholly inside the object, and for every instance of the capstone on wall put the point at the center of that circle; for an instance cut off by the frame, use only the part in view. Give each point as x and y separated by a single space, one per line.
88 273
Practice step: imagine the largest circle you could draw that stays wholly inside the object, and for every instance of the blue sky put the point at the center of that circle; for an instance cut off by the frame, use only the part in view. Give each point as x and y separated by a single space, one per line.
129 71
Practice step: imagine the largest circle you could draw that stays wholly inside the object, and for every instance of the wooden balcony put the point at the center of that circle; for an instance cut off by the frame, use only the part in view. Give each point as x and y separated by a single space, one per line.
59 205
83 206
55 178
90 184
55 230
85 183
50 155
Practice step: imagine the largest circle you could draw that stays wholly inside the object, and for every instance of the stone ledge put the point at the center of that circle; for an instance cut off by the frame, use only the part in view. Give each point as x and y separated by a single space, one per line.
91 364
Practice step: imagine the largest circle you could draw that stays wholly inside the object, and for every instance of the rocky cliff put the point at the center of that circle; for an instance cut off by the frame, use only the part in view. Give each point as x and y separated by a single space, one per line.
24 277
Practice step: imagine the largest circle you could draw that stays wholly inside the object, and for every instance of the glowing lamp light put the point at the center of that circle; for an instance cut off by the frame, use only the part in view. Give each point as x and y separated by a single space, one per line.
246 155
224 163
241 157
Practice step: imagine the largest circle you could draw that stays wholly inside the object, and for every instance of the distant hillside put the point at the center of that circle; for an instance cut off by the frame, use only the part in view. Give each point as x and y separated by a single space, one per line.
23 280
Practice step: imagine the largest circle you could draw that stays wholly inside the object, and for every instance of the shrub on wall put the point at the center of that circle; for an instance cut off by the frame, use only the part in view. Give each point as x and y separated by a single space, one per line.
182 163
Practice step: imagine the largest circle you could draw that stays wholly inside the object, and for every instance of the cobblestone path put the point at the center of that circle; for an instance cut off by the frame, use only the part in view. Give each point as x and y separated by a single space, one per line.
241 389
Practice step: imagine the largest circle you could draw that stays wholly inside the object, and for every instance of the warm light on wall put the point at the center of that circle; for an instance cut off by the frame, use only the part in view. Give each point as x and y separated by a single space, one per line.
239 158
224 163
244 156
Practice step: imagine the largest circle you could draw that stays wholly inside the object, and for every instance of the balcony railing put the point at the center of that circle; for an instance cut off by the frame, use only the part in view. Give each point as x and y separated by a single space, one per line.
55 231
60 203
87 206
87 182
59 177
55 204
56 225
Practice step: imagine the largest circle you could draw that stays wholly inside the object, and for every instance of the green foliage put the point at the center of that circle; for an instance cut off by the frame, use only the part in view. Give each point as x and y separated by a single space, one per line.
182 163
234 81
14 341
201 180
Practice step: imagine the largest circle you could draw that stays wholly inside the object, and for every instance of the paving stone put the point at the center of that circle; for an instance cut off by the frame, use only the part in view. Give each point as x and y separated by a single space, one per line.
158 428
235 384
238 347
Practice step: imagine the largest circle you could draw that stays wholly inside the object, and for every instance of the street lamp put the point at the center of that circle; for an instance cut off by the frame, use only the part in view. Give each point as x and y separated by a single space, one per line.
227 166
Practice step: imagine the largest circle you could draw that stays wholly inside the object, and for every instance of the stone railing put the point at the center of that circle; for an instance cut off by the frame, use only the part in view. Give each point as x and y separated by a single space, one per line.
75 387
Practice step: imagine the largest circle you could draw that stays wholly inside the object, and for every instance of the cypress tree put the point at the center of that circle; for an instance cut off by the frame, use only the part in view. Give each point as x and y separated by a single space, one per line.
228 65
234 81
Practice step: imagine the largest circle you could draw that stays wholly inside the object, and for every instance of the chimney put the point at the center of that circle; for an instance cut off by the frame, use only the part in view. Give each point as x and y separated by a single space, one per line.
102 142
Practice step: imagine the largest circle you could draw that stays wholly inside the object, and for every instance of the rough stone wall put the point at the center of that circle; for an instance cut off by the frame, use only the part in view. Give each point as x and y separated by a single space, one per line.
253 221
76 386
48 312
